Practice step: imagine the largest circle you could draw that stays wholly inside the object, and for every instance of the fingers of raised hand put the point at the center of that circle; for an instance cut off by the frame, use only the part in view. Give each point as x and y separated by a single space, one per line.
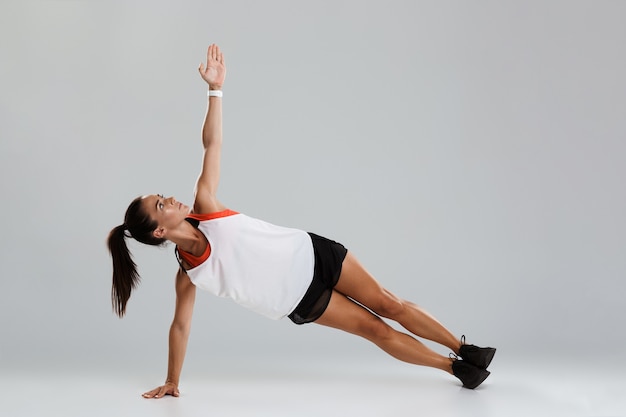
214 54
219 57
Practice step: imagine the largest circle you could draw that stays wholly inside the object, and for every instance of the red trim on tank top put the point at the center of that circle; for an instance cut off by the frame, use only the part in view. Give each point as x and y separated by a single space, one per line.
211 216
193 260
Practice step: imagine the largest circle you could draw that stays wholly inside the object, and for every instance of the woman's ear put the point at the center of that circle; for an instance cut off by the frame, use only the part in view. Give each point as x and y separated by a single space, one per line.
159 233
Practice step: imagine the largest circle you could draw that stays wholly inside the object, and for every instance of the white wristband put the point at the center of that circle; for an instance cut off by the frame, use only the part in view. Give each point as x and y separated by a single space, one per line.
214 93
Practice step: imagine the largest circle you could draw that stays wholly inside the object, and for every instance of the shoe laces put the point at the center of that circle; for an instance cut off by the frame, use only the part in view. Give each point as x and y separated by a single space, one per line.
462 340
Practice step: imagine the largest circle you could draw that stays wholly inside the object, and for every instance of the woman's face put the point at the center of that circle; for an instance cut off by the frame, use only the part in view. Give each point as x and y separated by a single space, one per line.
167 212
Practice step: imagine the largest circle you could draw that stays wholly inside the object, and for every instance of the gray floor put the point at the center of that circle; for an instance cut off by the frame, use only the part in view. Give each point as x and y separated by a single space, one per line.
385 388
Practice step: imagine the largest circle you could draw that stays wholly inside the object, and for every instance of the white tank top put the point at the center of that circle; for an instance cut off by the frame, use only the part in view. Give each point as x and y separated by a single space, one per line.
263 267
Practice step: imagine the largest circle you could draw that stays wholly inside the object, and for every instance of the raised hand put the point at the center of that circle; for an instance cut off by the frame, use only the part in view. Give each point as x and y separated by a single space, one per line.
214 72
167 389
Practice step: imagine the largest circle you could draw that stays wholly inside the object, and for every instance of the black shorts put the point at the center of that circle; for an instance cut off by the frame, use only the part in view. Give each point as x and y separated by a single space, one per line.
329 256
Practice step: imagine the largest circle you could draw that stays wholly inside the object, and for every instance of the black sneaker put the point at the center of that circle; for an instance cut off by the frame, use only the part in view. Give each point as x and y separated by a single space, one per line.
471 376
477 356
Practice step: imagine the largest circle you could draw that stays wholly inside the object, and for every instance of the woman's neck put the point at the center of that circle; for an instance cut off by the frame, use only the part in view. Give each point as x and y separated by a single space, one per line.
189 239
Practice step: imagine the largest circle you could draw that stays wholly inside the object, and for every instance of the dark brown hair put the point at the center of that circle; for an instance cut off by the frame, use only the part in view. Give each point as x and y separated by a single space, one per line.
138 225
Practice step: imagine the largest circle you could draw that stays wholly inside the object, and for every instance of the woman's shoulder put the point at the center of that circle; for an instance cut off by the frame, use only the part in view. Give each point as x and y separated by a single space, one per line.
212 216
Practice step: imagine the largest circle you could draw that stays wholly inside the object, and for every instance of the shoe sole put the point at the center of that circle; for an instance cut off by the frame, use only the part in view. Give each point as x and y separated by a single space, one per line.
479 380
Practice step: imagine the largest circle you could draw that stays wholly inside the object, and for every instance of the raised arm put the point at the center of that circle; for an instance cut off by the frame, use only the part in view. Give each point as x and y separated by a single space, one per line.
213 73
179 335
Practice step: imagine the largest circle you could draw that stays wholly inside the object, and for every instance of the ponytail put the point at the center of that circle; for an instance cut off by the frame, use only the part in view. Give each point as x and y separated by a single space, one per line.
125 276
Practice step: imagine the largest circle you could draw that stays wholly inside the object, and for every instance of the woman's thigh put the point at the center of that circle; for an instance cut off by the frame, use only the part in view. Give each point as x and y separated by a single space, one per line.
345 314
357 283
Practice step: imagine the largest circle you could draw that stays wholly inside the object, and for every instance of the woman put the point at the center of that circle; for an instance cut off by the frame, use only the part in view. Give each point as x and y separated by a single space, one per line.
272 270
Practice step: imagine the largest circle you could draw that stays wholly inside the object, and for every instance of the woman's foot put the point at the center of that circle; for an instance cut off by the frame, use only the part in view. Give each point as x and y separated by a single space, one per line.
478 356
470 375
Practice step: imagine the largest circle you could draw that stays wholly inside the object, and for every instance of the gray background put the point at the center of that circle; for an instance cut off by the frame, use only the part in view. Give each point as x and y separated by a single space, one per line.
471 154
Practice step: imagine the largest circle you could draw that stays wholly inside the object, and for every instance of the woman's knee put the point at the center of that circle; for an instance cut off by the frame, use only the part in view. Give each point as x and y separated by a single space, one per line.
374 329
388 305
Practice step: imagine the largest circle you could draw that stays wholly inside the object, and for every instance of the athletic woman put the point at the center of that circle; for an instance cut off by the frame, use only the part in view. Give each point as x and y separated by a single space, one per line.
275 271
